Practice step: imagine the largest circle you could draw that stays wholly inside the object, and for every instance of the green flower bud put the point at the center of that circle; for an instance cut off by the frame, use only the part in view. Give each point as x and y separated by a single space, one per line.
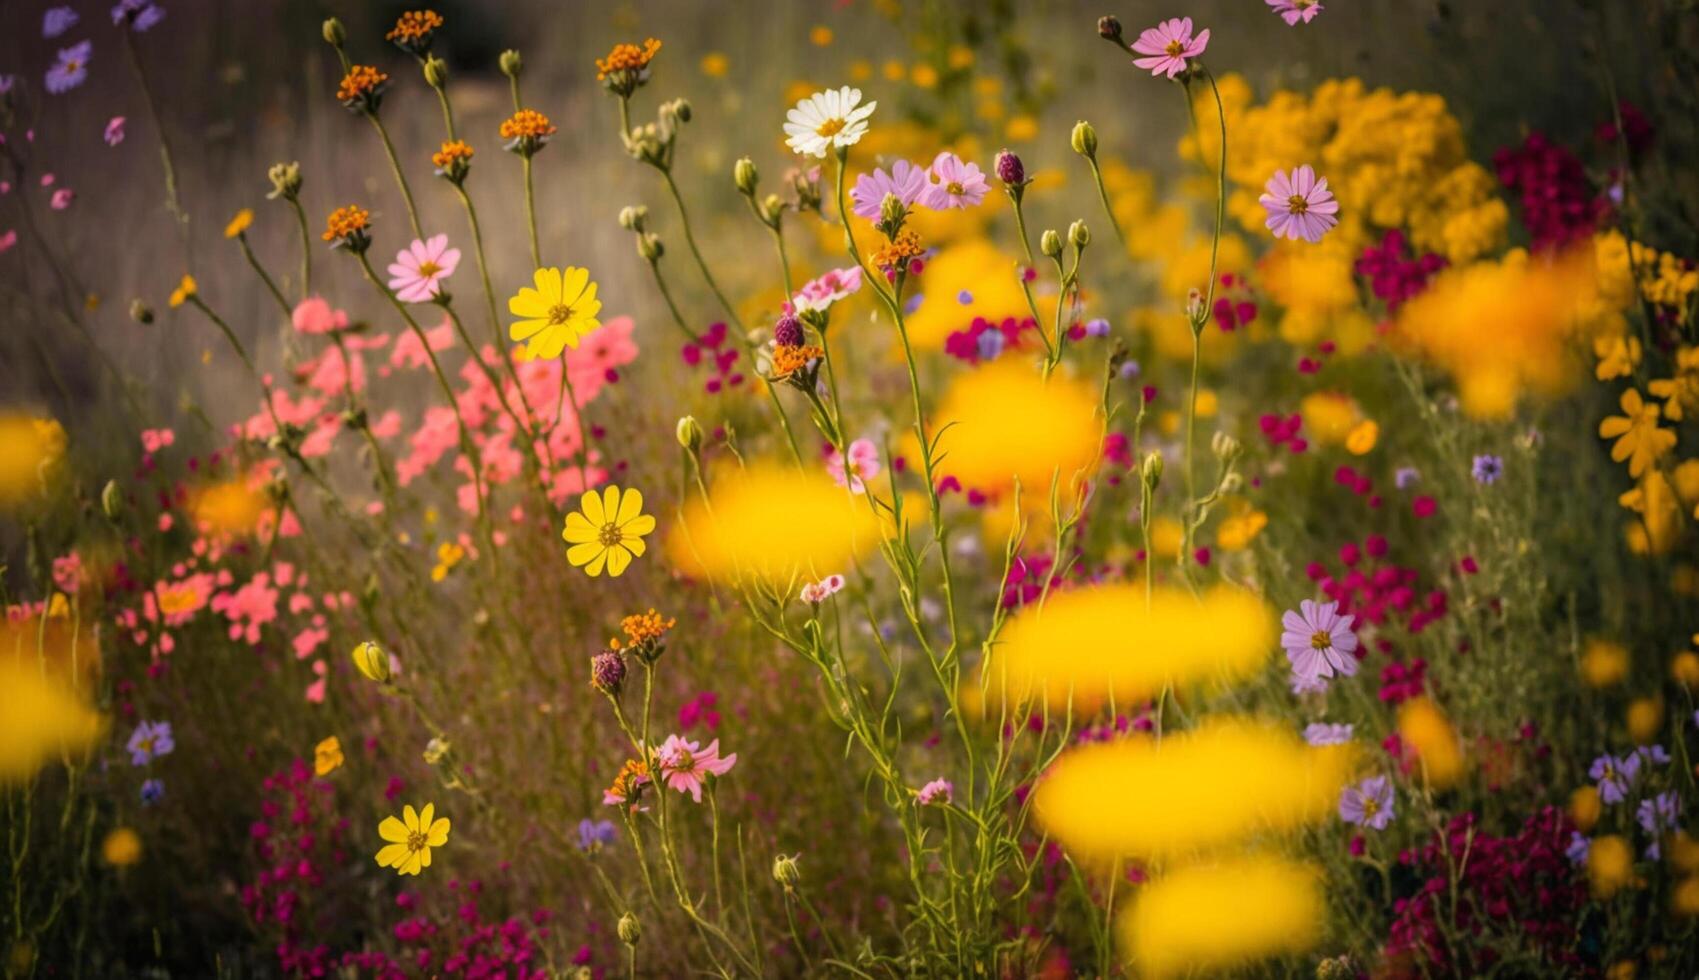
371 661
334 33
1224 446
689 434
112 500
140 311
436 72
649 246
631 218
630 930
1084 140
1050 243
511 63
1079 234
745 176
1151 471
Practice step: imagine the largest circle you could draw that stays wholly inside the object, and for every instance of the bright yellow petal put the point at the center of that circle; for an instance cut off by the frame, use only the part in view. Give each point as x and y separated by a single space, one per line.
521 329
630 505
591 505
581 554
578 529
635 546
424 858
595 567
548 283
392 830
425 817
638 526
610 504
572 285
411 865
528 303
618 560
412 817
392 855
439 833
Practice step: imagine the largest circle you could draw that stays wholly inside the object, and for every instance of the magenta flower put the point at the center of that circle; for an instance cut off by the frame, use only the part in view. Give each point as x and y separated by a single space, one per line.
863 465
1300 205
684 764
1169 45
939 792
417 273
1319 642
1293 11
819 294
954 183
905 180
61 199
114 131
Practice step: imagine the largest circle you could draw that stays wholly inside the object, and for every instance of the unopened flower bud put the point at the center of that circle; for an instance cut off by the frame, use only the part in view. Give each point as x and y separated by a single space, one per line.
785 871
1050 243
630 930
745 176
772 208
1084 139
788 331
1079 234
285 180
1232 483
649 246
1009 168
371 660
632 218
140 311
1151 470
436 72
607 672
1194 306
1109 28
112 500
436 750
1224 446
679 108
892 213
511 63
334 33
1336 968
689 433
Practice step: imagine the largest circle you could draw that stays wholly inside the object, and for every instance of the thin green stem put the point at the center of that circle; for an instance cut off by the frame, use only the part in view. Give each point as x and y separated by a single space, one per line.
400 178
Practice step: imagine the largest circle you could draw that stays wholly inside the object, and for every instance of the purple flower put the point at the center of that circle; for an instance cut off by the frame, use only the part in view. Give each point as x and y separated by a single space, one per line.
1368 804
906 181
1318 641
1657 817
153 790
71 68
593 835
114 131
149 741
938 792
1010 169
1322 733
954 183
1653 755
1293 11
1097 327
1406 477
139 14
1579 847
57 20
1614 776
1487 468
1299 205
989 344
1169 45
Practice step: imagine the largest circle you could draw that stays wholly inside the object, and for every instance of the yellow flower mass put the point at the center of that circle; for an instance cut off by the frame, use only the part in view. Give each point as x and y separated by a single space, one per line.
327 756
606 532
410 842
30 448
1216 916
775 523
556 314
1004 422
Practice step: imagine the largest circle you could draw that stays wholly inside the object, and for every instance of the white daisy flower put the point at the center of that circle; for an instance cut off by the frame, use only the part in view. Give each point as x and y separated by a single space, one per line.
826 120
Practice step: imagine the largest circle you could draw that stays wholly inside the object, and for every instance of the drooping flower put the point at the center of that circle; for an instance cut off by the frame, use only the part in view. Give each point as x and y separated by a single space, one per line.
818 295
1293 11
861 466
417 273
1299 205
1168 46
327 756
684 764
833 119
1322 733
1615 776
953 183
71 68
410 843
149 741
906 182
938 792
1486 468
1368 804
1318 640
815 593
139 15
560 310
628 785
607 531
1639 439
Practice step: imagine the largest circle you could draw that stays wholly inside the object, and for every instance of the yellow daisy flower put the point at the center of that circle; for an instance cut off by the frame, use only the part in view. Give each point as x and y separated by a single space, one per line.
243 220
185 291
410 843
327 756
1639 439
607 531
557 313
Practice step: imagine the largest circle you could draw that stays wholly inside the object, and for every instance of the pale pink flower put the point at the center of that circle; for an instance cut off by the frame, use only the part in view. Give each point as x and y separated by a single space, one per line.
62 199
68 573
8 239
938 792
815 593
115 131
1299 206
953 183
1293 11
315 315
905 180
863 465
819 294
153 440
684 764
417 273
409 353
1169 45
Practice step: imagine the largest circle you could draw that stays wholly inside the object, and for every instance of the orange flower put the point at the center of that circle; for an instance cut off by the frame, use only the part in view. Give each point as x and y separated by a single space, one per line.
624 67
413 30
896 253
348 226
453 160
362 88
526 131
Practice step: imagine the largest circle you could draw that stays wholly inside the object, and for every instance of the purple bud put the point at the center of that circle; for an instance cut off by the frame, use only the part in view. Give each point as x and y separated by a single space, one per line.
1010 170
607 672
788 331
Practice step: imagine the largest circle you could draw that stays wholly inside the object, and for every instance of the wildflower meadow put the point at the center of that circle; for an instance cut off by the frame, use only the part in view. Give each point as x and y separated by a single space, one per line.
852 488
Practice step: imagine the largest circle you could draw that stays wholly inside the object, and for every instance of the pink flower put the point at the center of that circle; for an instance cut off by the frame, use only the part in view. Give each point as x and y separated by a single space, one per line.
905 180
62 198
938 792
115 131
684 764
815 593
315 315
8 239
418 270
1299 206
954 183
821 293
1293 11
1169 45
153 440
863 465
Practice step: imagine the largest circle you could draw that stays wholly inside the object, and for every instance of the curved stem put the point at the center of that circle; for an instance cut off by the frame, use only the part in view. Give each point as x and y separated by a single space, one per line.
400 178
690 240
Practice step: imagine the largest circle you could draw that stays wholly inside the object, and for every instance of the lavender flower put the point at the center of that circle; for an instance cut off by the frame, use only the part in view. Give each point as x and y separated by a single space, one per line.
149 741
1097 327
1653 755
989 344
1318 641
905 181
1657 817
71 69
1322 733
1368 804
153 790
1406 477
1487 468
1614 776
1579 847
139 14
58 20
593 835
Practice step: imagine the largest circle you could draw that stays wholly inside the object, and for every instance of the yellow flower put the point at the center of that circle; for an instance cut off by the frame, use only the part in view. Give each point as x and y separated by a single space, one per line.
409 850
1585 807
1240 527
607 531
774 522
1328 416
30 449
240 223
557 313
449 554
1220 915
327 756
1426 731
1680 393
715 64
371 660
1610 865
1617 357
1639 440
229 507
1645 719
121 848
1005 422
1361 440
820 36
1603 663
185 291
42 718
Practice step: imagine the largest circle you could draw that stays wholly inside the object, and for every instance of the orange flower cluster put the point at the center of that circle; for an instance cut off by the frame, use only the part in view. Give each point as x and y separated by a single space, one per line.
645 627
346 222
896 252
526 124
360 82
414 26
789 360
627 57
452 151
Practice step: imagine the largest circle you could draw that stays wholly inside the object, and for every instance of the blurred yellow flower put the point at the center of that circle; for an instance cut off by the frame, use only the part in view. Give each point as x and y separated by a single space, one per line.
1427 733
241 222
820 36
1610 865
1645 720
186 289
121 848
1021 129
1585 807
1328 416
230 506
1227 780
1360 441
774 523
924 76
1004 422
607 531
556 314
1216 916
715 64
449 554
42 718
30 449
410 843
1639 439
1603 663
1240 527
327 756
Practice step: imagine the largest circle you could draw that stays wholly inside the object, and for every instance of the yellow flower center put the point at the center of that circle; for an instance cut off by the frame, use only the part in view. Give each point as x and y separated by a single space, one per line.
559 314
1321 641
1297 205
830 127
610 535
1175 49
955 187
428 268
416 840
1370 807
71 66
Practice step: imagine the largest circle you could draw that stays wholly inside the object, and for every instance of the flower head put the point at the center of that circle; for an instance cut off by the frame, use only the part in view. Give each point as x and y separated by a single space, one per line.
414 30
149 741
607 531
862 465
938 792
954 183
138 15
239 223
349 227
1293 11
1318 641
556 314
525 132
899 253
153 790
1615 776
1010 169
1368 804
686 764
453 161
1640 441
833 119
818 295
1658 816
593 835
628 784
71 68
57 20
185 291
645 634
327 756
815 593
626 67
361 90
1299 205
1486 468
417 273
410 843
607 672
906 182
1168 46
114 132
1322 733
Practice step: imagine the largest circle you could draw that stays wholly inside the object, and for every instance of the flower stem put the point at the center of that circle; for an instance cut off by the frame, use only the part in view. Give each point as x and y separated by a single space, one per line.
400 178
